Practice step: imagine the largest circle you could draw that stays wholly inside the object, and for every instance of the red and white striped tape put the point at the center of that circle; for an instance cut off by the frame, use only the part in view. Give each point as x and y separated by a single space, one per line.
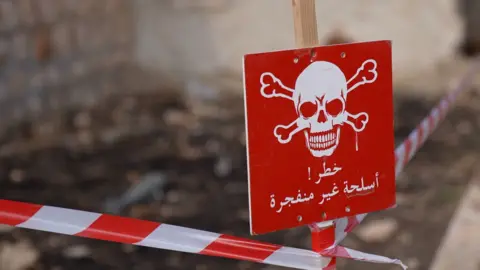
164 236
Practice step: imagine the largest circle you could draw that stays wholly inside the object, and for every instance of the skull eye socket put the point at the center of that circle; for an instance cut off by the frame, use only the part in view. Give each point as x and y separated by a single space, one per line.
334 107
308 109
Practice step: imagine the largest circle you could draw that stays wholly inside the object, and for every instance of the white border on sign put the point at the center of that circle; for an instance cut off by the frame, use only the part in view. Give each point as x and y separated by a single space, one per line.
246 144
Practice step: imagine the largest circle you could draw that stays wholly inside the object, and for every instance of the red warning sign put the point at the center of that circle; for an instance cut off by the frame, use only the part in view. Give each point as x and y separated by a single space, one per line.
320 133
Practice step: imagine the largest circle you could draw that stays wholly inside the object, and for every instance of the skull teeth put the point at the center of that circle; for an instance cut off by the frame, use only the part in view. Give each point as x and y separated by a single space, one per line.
323 140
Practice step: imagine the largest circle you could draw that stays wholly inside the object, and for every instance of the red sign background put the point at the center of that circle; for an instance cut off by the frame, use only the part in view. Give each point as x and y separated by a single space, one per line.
285 186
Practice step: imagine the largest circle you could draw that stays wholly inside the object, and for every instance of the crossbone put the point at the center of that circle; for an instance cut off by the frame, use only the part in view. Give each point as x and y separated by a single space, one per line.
272 87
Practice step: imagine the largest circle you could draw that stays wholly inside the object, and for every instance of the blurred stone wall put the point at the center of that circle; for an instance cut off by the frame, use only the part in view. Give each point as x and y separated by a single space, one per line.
205 38
61 53
470 11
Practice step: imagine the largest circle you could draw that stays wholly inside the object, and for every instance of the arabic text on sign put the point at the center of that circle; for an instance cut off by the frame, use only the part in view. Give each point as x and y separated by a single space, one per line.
291 200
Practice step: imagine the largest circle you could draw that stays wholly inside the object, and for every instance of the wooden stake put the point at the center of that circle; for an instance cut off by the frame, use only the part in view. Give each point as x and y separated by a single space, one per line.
305 23
306 35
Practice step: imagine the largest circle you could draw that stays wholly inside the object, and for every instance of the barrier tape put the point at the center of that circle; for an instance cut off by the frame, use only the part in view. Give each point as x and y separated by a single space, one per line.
164 236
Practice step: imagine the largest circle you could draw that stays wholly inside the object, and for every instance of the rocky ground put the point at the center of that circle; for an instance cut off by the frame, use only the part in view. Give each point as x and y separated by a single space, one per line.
87 159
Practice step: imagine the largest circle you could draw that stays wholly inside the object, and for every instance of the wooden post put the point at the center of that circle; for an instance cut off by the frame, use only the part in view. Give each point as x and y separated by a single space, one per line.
306 35
305 23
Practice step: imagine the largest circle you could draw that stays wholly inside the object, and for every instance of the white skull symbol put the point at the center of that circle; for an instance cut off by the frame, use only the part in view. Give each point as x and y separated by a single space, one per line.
319 98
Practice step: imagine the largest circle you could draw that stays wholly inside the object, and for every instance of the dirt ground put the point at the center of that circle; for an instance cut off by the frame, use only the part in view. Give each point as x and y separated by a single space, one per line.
99 153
